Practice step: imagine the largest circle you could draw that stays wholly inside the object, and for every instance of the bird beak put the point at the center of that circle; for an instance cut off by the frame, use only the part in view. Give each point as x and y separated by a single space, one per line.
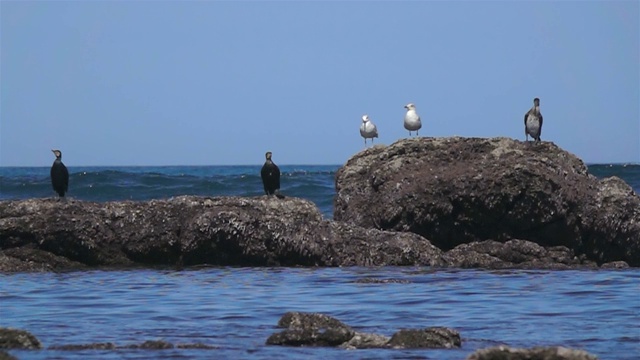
53 151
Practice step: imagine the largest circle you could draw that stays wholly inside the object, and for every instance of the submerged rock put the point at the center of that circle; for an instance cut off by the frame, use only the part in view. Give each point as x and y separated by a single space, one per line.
459 190
514 254
310 329
147 345
314 329
18 339
47 234
435 337
151 345
78 347
366 341
6 356
542 353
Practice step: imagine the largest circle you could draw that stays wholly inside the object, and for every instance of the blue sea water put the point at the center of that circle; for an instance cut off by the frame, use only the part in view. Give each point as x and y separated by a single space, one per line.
313 182
236 309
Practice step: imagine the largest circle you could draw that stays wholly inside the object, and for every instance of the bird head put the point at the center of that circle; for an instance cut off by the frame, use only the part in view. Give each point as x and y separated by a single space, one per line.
536 102
410 106
57 153
268 155
365 118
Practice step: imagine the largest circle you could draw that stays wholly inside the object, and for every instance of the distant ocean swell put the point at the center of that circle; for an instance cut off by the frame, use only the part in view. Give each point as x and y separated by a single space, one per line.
313 182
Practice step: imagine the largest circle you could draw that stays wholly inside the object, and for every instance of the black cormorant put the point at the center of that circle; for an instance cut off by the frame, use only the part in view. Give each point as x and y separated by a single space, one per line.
59 175
270 174
533 121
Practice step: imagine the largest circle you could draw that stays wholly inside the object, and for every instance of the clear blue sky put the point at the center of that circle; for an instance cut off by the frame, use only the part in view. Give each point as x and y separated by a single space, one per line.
214 83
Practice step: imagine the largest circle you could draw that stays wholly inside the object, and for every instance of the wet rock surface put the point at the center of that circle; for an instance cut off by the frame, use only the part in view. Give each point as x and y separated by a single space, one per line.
6 356
52 235
314 329
516 254
459 190
542 353
18 339
435 337
310 329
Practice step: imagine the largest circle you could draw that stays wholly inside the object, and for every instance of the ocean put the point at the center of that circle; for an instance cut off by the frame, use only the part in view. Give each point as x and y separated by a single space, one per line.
236 309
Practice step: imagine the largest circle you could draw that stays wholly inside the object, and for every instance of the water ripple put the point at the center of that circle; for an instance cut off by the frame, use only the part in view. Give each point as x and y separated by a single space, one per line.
236 309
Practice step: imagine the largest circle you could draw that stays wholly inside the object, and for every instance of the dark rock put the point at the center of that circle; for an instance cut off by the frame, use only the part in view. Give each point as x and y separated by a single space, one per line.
615 265
78 347
435 337
18 339
43 234
6 356
461 190
310 329
300 320
196 346
314 329
151 345
28 258
520 254
381 281
537 353
310 337
611 230
366 341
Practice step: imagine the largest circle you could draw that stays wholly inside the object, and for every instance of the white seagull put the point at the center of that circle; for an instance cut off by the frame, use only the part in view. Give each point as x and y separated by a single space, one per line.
412 119
533 121
368 130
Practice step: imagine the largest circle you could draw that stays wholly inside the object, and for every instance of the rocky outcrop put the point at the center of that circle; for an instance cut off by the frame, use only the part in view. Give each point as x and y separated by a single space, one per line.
310 329
47 234
458 190
515 254
6 356
435 337
542 353
314 329
18 339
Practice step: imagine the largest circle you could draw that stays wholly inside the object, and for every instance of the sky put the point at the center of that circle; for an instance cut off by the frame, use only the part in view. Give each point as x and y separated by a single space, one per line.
220 83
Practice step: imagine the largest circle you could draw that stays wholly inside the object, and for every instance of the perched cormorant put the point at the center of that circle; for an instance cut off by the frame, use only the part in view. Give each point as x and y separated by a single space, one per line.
533 121
59 174
270 175
368 130
412 119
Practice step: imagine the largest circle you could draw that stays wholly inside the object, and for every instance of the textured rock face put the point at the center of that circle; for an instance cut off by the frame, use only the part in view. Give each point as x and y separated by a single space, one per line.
542 353
513 254
315 329
437 337
18 339
46 234
460 190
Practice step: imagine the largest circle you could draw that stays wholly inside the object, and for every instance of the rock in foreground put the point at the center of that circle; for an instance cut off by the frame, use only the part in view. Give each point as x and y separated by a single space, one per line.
460 190
314 329
18 339
542 353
